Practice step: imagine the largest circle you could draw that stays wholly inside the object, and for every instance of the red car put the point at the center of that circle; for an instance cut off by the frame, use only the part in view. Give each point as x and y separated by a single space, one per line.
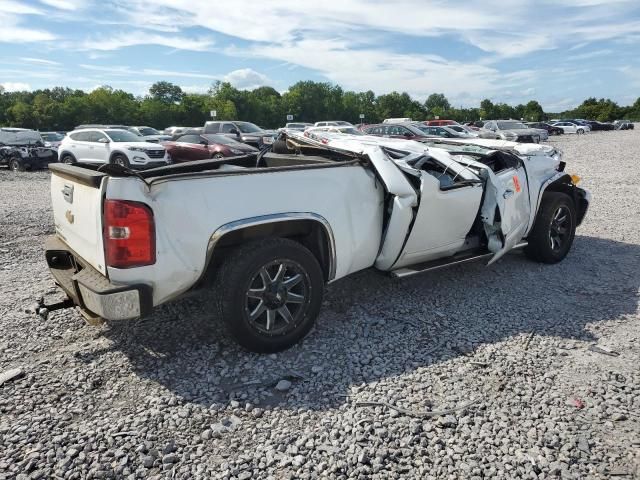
439 123
190 146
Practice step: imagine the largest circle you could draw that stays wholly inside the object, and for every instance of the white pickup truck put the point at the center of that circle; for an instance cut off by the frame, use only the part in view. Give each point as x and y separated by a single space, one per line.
263 233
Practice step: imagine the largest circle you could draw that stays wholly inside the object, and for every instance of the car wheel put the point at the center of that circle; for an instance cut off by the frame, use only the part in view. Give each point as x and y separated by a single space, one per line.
580 131
121 160
554 229
280 146
268 294
218 156
68 159
16 165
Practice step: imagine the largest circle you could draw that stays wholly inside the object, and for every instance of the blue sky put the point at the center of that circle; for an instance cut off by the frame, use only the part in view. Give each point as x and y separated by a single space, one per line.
559 52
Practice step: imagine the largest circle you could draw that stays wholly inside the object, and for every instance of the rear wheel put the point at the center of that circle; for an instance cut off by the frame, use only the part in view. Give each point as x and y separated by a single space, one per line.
268 293
554 230
580 131
280 146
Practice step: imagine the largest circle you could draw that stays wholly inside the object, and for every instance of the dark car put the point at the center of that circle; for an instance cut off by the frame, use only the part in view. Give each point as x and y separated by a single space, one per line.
546 126
245 132
408 131
602 126
99 125
190 145
24 150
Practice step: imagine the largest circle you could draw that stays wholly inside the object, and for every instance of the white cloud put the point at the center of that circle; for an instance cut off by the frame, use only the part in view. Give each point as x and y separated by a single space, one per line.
246 79
39 61
18 8
15 86
11 30
122 40
64 4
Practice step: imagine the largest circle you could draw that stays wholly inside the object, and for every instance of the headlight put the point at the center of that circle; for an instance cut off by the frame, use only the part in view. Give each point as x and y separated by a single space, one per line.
267 140
250 139
136 149
235 151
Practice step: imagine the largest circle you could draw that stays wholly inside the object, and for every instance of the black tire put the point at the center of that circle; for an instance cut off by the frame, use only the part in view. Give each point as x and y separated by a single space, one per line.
16 165
119 159
551 237
252 311
68 159
218 156
580 131
280 146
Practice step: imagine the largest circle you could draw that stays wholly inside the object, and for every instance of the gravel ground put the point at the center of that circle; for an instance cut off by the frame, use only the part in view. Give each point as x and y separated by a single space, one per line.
168 397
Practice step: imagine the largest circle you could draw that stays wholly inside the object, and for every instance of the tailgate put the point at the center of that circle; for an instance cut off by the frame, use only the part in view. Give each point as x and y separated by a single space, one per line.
76 197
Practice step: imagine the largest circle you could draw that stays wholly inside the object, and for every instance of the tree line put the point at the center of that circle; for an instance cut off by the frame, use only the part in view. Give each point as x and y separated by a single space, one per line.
167 104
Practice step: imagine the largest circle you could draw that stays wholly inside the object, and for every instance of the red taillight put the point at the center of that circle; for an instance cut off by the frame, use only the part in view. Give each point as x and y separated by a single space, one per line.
129 234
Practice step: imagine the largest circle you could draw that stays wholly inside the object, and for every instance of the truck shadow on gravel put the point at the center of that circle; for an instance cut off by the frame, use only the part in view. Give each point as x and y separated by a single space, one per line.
373 327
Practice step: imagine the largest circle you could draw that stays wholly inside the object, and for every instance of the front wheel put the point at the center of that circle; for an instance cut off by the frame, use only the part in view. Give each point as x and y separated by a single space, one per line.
268 294
68 159
16 165
120 160
554 229
580 131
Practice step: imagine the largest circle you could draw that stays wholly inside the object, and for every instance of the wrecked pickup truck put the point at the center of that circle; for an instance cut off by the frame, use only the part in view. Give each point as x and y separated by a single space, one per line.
22 149
263 233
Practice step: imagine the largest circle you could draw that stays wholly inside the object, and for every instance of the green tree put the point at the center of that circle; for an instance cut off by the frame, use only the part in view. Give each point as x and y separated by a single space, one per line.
437 105
533 112
166 92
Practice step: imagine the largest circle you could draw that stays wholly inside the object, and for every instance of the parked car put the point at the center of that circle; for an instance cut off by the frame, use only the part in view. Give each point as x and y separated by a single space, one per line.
301 126
332 123
579 123
600 126
445 132
245 132
149 134
407 131
511 130
261 234
115 146
623 125
175 130
397 120
52 139
571 127
345 130
192 145
440 123
22 149
99 125
551 130
464 129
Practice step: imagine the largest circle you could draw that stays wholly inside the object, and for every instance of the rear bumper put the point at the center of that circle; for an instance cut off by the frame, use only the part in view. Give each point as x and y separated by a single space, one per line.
96 296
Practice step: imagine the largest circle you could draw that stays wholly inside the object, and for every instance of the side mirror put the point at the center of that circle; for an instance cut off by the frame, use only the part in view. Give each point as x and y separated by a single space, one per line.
234 131
407 134
203 142
103 140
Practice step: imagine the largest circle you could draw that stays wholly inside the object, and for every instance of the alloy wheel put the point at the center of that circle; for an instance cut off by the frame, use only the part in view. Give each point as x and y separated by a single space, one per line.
277 297
560 228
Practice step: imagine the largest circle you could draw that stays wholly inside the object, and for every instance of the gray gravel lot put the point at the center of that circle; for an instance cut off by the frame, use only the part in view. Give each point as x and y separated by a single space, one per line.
168 397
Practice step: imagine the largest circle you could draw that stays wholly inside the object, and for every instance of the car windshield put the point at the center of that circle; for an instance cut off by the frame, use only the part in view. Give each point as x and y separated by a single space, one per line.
340 122
148 131
457 128
511 125
220 139
52 137
20 137
247 127
122 136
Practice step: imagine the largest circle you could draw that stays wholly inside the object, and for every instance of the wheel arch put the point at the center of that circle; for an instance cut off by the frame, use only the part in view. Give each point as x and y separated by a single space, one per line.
117 152
564 184
309 229
63 153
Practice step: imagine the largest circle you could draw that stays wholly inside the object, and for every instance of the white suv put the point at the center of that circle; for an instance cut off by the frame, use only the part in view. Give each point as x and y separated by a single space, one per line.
95 145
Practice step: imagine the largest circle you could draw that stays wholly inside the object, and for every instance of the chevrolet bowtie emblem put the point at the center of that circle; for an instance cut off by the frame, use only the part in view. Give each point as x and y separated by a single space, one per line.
69 216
